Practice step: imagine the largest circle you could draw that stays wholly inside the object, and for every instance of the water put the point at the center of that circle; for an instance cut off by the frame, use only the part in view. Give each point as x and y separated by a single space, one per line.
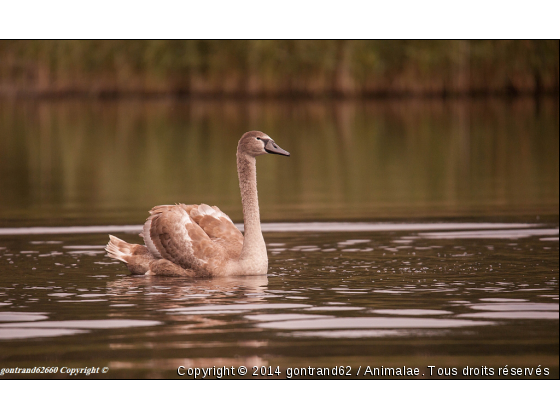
400 254
396 295
67 163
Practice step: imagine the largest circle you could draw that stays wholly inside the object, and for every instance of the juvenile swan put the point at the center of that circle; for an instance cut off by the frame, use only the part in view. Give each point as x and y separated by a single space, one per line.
202 241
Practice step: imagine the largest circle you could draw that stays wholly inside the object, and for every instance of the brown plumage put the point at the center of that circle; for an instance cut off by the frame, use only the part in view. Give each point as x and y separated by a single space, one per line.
199 240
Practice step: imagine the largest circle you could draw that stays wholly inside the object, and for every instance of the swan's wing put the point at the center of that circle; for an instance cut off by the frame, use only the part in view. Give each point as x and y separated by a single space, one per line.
218 226
171 233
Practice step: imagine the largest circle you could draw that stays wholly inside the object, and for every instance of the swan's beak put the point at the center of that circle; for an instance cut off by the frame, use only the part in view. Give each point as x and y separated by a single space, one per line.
271 147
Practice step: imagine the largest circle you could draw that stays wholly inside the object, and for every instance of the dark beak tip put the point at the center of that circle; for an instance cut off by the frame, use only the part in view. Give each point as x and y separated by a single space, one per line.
275 150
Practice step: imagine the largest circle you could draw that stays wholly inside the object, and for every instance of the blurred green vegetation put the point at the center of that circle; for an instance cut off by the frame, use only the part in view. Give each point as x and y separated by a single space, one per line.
277 68
73 161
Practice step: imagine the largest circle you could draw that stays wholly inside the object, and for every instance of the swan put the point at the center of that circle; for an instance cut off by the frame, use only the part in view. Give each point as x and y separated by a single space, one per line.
202 241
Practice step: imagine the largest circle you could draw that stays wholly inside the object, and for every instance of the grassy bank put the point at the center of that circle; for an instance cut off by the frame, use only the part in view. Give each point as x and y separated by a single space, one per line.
270 68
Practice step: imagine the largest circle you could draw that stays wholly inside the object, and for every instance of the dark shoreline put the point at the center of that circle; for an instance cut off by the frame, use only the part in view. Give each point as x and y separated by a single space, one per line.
246 69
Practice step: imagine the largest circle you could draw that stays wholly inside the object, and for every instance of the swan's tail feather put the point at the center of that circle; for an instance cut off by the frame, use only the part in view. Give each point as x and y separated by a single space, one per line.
136 257
119 249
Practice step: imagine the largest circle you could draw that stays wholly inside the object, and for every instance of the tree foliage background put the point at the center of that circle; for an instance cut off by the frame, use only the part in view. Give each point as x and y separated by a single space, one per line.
278 67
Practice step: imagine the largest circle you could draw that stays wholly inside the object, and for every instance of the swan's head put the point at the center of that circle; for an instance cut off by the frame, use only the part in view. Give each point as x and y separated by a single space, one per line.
255 143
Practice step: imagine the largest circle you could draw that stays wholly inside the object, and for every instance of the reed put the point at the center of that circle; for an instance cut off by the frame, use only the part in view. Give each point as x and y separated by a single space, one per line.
270 68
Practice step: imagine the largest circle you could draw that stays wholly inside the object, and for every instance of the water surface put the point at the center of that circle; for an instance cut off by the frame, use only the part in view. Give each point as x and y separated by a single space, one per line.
70 162
401 234
397 296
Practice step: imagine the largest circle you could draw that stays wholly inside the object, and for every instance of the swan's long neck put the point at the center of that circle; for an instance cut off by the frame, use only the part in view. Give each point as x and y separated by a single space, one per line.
254 248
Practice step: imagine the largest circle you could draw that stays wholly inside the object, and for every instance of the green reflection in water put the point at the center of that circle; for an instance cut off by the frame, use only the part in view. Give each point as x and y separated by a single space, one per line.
97 162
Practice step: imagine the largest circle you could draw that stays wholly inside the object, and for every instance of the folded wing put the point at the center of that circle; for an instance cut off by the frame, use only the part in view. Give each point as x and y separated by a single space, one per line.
195 237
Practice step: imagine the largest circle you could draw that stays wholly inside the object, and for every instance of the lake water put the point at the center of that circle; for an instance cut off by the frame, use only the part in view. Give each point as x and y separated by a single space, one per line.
413 237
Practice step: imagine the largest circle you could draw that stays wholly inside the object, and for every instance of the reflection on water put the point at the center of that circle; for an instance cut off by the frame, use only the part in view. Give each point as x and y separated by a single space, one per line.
104 162
379 297
58 328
